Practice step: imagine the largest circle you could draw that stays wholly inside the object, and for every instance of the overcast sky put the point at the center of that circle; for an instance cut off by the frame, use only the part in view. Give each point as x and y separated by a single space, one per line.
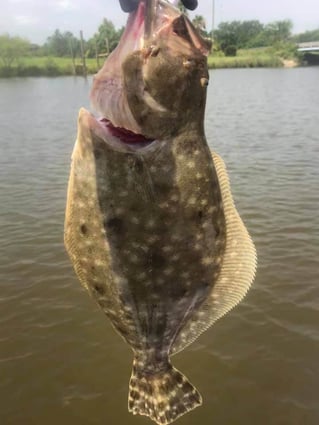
37 19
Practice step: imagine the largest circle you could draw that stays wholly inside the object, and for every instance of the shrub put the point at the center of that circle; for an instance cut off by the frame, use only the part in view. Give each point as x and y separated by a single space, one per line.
230 50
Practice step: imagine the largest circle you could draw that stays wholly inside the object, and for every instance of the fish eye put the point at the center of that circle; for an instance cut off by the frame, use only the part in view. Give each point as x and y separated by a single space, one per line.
204 82
187 63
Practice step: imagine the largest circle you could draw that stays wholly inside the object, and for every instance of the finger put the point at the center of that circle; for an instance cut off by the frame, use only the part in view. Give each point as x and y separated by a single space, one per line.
128 5
190 4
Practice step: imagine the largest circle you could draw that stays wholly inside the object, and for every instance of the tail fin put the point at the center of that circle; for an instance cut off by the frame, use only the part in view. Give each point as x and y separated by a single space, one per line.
163 395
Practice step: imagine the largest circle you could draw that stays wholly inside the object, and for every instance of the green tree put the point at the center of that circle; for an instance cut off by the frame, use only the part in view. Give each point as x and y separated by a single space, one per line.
55 44
307 36
62 44
237 35
278 31
227 37
199 22
73 44
107 36
105 40
12 49
247 31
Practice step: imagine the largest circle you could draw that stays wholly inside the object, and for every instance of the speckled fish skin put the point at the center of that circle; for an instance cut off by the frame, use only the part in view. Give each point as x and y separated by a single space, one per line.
151 229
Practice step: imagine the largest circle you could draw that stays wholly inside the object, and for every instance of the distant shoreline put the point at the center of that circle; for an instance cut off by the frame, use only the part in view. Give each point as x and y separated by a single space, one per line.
55 67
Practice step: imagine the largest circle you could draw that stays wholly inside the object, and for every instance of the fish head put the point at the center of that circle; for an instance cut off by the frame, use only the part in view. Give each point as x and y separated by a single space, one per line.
154 83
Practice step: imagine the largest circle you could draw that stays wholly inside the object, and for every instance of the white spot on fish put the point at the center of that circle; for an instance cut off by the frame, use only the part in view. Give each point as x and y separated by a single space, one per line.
212 210
127 308
119 280
152 239
168 271
141 276
150 224
191 200
119 211
206 224
167 248
134 259
84 260
163 205
91 202
123 194
166 169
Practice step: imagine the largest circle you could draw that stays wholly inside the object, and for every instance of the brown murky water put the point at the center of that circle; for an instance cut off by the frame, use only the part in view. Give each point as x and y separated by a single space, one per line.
60 361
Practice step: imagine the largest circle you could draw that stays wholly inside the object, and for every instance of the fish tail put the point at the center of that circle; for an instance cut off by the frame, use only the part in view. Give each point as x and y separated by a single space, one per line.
163 395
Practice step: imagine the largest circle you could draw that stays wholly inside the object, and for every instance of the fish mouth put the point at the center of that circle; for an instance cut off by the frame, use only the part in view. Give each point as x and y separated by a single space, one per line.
152 20
124 136
108 98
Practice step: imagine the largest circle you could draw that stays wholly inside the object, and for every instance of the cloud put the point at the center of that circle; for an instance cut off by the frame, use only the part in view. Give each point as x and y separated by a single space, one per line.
25 20
65 5
20 1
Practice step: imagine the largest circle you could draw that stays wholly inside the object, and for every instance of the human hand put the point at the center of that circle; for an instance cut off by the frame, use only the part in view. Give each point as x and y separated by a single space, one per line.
130 5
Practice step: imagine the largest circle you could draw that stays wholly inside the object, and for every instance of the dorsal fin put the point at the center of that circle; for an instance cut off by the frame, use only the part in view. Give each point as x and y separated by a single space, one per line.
237 271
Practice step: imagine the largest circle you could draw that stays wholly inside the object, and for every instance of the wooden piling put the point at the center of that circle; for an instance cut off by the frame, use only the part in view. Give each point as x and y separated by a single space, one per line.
83 55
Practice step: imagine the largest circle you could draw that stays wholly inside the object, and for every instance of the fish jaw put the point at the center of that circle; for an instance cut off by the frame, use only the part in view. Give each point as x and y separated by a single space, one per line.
115 138
136 88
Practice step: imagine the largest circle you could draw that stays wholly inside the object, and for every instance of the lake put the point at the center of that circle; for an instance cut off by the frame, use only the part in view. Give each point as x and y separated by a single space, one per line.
60 360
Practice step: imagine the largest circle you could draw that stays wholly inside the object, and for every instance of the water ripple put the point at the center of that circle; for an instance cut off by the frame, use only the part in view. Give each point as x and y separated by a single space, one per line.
57 349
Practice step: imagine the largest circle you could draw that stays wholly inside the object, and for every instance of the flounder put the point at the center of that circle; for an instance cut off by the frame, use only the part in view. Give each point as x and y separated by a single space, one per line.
151 227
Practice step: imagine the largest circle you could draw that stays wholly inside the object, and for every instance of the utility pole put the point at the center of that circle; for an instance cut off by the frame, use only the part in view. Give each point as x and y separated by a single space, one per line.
213 17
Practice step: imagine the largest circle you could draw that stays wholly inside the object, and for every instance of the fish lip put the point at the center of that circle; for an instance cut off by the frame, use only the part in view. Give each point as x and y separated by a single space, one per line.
116 142
98 128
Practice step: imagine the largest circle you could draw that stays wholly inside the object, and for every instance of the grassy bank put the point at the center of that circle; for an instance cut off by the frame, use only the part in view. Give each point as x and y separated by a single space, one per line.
47 66
53 66
249 58
249 61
